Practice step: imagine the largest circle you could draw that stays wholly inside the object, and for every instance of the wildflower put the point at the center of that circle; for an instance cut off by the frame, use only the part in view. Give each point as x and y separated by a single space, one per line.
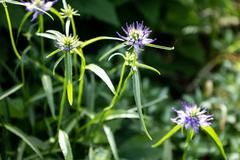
67 43
68 12
192 117
36 6
137 35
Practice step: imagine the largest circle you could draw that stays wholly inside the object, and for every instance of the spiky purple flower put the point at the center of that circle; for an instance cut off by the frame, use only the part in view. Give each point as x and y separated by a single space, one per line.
137 35
192 117
35 5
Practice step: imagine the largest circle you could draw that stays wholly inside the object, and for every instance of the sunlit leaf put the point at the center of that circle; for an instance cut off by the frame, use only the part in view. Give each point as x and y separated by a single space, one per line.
46 35
10 91
210 131
168 135
47 86
101 74
68 70
90 41
24 137
137 97
111 141
140 65
160 47
116 54
65 146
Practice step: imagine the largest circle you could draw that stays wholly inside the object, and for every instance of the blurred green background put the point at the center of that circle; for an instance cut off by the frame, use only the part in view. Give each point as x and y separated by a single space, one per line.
203 69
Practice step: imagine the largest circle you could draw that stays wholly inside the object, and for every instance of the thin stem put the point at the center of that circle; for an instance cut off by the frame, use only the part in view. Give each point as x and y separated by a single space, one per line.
62 103
10 31
115 98
41 30
125 83
81 81
73 27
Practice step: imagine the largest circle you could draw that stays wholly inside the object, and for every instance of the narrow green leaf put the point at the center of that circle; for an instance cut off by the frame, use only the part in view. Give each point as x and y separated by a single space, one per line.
160 47
102 74
68 70
120 114
140 65
54 11
137 97
25 17
116 54
47 35
53 53
168 135
57 62
210 131
10 91
24 137
111 141
90 41
65 146
47 86
117 47
190 134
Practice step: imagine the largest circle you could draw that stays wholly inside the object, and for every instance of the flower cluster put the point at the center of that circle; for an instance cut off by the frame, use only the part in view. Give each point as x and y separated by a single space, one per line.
192 117
36 6
67 43
68 12
137 35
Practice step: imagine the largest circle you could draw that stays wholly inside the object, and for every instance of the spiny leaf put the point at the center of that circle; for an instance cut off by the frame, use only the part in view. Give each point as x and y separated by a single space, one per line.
102 74
65 146
168 135
210 131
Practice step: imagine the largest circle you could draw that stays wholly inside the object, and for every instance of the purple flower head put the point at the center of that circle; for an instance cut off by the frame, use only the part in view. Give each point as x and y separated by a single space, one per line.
192 117
41 4
137 35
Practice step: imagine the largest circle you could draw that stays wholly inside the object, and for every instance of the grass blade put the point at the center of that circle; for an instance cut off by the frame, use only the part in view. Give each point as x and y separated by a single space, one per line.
24 137
47 86
11 91
111 141
210 131
65 146
168 135
137 96
101 74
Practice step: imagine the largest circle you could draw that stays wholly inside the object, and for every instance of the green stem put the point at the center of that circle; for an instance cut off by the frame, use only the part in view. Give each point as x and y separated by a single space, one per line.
62 103
190 134
81 81
41 30
125 83
10 31
73 27
115 98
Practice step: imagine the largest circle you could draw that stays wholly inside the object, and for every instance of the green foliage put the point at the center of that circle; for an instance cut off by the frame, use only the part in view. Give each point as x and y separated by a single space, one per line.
203 68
